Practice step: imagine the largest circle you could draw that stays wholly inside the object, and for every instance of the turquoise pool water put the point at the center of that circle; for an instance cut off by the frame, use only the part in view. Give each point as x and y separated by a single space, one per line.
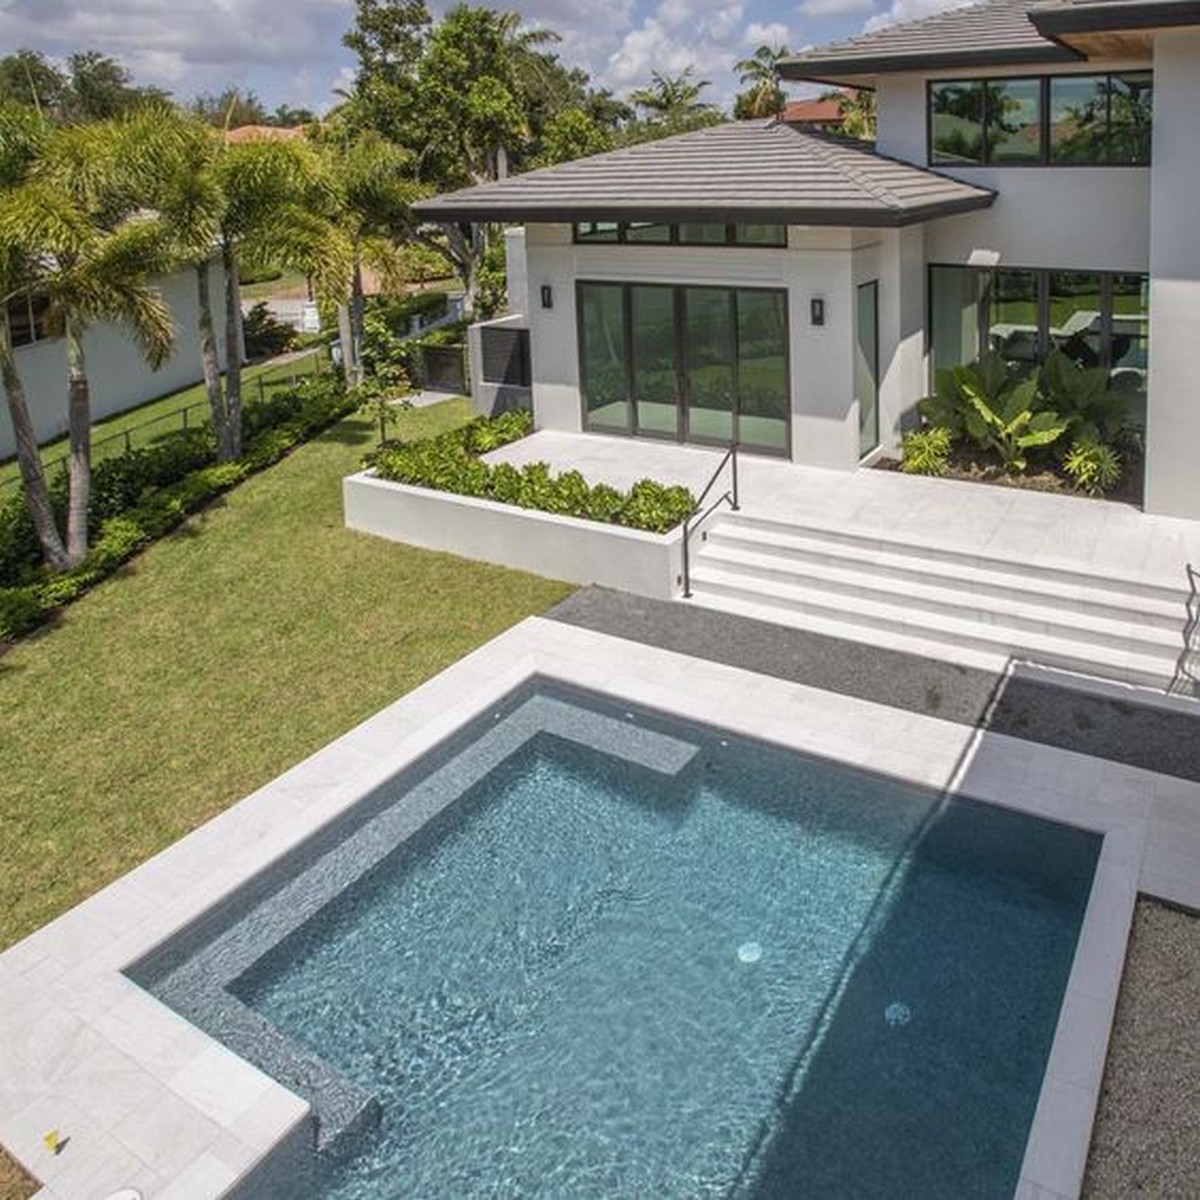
637 957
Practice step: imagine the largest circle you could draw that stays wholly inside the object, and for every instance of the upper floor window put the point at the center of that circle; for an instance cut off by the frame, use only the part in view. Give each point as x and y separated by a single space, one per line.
1075 120
694 233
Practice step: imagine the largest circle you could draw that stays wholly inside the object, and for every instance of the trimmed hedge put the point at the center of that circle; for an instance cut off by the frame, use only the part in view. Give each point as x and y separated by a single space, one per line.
142 495
450 463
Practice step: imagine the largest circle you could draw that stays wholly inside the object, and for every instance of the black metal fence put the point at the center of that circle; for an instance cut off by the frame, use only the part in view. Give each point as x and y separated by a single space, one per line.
189 416
444 368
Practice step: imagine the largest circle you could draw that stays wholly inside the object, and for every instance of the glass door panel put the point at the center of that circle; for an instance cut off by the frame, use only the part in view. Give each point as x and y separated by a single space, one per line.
763 397
1013 320
655 373
709 363
602 355
866 366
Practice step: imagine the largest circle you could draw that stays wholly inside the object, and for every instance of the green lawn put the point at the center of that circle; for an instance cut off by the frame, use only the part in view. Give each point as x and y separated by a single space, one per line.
227 652
156 418
289 282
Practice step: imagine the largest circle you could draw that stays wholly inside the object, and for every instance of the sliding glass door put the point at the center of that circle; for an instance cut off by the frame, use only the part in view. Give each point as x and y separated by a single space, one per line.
700 364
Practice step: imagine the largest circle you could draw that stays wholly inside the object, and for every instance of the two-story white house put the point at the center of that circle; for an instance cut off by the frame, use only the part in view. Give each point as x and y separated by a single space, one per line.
1034 184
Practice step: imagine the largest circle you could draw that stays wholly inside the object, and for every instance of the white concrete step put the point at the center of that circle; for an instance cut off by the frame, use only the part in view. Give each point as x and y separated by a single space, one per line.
888 624
1000 580
1049 572
1143 629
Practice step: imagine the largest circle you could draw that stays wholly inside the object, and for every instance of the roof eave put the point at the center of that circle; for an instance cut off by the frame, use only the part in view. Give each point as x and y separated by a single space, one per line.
893 217
830 70
1114 17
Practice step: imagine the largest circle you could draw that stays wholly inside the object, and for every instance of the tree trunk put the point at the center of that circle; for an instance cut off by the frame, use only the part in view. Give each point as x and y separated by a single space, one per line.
466 253
79 428
233 349
33 476
356 319
212 364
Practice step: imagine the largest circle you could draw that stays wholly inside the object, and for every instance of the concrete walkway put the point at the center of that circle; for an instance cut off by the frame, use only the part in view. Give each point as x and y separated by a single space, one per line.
1034 527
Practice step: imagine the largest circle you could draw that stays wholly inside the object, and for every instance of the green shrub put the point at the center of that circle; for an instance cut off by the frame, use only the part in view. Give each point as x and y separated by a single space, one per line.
926 451
264 335
449 463
1092 466
154 502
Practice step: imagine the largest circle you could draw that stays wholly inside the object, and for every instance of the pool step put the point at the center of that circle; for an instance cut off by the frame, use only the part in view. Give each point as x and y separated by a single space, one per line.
974 608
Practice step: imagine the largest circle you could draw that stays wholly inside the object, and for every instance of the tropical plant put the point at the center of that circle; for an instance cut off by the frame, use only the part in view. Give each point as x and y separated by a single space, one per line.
926 451
759 75
948 405
91 255
572 134
1009 423
673 101
1092 466
857 109
1084 397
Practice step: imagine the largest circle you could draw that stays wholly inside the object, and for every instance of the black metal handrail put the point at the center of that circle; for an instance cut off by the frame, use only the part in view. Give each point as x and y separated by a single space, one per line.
699 514
1184 681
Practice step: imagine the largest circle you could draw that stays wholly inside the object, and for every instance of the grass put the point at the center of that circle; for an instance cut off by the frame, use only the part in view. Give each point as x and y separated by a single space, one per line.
227 652
150 421
292 282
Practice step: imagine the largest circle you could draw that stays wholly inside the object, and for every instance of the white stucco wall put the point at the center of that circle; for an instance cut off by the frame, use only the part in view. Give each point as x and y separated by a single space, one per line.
817 263
1173 404
119 376
1082 218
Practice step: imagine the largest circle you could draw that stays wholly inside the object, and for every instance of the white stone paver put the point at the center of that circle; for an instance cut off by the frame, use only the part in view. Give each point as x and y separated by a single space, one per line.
1072 531
147 1100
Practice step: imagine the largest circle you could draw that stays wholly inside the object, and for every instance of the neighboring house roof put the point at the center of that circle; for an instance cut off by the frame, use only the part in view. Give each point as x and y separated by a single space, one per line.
996 33
812 112
262 133
748 171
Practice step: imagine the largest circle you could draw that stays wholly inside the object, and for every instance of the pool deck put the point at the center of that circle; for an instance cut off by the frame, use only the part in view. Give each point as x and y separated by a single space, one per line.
140 1098
1008 522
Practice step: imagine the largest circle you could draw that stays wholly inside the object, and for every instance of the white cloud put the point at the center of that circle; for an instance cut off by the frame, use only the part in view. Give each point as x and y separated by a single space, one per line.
835 8
773 33
911 10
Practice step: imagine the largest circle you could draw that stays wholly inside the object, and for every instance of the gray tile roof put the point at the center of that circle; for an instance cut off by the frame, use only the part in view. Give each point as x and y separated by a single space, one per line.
750 171
1053 17
995 33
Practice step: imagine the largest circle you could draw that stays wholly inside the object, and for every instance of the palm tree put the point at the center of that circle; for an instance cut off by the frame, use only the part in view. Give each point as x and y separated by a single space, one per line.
759 74
22 132
263 202
372 191
75 224
674 100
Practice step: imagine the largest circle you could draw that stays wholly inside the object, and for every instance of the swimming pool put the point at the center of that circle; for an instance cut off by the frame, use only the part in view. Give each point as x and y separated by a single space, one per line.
585 949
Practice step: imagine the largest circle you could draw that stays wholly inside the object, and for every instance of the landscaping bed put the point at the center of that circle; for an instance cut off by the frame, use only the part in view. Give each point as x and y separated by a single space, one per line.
144 493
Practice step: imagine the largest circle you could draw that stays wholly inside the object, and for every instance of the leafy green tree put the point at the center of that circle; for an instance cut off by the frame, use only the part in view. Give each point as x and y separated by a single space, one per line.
22 133
100 87
73 221
230 109
28 78
856 107
287 117
673 102
759 75
573 134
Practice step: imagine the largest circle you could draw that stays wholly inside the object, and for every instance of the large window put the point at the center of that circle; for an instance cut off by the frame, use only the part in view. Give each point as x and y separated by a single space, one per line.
695 233
702 364
1061 120
1098 318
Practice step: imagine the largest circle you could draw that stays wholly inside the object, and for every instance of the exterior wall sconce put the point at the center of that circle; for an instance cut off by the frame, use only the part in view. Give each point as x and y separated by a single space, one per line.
816 310
547 296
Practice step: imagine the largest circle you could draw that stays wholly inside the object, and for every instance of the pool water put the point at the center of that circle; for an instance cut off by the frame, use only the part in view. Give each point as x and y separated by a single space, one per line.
722 970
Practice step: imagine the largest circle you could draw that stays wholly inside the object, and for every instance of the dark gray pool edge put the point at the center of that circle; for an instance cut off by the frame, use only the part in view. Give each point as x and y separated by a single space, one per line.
1050 712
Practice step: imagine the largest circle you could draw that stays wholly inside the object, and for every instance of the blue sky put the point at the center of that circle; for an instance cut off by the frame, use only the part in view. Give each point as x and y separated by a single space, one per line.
290 50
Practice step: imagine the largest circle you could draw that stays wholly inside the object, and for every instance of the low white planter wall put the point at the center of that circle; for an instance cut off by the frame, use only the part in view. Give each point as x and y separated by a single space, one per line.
567 548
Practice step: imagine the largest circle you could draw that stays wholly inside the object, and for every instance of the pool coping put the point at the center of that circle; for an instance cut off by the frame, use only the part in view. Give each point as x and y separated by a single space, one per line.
143 1099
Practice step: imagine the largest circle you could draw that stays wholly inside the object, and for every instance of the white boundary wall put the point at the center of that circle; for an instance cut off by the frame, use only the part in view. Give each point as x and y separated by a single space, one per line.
119 376
567 548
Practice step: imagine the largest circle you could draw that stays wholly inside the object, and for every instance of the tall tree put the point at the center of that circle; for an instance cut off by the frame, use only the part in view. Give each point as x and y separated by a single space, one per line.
573 134
74 219
22 134
759 75
857 110
28 78
673 102
230 108
100 87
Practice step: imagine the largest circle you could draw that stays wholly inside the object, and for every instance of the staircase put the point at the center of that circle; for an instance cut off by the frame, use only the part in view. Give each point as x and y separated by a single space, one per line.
961 606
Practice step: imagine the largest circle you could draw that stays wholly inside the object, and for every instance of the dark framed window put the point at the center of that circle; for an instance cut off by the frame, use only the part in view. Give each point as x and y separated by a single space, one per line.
694 233
28 320
1098 318
1042 120
691 363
